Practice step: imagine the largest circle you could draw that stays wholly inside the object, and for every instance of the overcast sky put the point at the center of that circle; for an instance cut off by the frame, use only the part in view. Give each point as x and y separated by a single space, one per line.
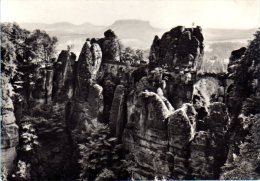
161 13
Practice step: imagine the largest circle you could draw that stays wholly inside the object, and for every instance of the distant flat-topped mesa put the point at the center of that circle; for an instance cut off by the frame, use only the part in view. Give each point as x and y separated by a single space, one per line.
179 47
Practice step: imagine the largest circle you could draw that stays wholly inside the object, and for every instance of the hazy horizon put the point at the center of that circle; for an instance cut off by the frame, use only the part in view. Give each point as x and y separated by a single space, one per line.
223 14
164 29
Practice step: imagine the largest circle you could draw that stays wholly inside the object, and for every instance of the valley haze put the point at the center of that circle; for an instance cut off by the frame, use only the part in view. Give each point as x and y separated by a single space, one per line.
134 33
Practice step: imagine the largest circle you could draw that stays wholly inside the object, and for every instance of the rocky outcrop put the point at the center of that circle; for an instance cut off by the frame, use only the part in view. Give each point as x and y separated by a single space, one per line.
87 102
193 138
243 100
63 80
110 47
35 82
87 67
109 83
180 51
209 148
117 119
181 130
81 114
44 90
178 47
192 151
152 125
110 75
179 87
200 161
41 84
95 99
47 113
145 137
171 121
237 54
54 97
218 135
9 128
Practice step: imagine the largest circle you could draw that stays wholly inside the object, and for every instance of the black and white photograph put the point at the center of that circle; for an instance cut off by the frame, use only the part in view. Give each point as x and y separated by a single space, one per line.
129 90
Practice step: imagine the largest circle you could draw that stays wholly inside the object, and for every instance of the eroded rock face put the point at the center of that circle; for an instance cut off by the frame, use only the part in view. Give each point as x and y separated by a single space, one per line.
179 47
87 67
63 80
217 123
87 103
9 128
243 100
179 87
200 161
37 83
41 84
189 134
158 138
117 119
110 47
180 51
95 99
192 152
209 148
145 136
82 113
191 142
181 130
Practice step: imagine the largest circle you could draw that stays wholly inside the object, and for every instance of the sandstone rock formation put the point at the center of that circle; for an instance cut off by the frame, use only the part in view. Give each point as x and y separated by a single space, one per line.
110 47
118 112
9 128
145 136
181 130
243 101
87 67
63 80
172 122
180 51
179 47
218 132
200 161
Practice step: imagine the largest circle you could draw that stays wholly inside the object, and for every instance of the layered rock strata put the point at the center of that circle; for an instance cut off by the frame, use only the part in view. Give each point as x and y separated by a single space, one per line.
181 130
9 128
145 136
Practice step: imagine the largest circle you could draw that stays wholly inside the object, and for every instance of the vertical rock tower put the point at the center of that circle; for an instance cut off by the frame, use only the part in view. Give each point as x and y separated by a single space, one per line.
180 51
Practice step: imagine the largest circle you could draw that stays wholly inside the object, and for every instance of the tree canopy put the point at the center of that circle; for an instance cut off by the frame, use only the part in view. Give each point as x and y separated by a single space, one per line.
131 55
28 46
